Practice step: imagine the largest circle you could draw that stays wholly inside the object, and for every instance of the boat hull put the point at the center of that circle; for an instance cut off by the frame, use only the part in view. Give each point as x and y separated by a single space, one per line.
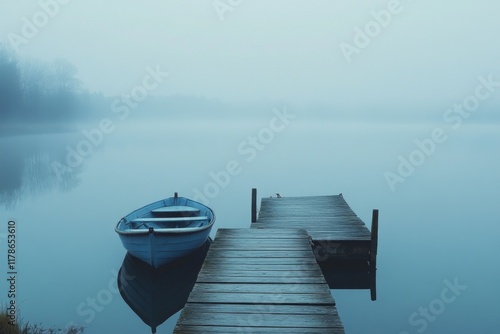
157 249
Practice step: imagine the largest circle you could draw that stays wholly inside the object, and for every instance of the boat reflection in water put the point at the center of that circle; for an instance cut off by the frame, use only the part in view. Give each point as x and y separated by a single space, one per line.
157 294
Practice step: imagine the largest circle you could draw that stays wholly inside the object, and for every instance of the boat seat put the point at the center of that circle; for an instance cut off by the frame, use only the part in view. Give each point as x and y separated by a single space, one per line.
176 209
169 219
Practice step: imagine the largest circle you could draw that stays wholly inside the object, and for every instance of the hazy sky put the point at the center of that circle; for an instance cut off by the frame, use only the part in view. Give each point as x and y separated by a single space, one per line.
426 55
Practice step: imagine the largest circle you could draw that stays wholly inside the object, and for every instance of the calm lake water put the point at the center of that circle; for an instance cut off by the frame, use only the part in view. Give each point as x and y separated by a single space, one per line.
438 268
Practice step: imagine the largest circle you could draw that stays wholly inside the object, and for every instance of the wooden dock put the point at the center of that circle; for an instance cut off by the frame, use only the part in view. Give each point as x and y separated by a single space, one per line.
340 238
260 281
270 278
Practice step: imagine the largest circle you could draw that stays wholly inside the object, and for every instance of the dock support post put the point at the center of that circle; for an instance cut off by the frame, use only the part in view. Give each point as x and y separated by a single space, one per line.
254 205
373 255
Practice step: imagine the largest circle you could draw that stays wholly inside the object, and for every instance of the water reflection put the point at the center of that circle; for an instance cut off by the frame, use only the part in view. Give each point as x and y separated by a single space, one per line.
27 165
349 274
156 294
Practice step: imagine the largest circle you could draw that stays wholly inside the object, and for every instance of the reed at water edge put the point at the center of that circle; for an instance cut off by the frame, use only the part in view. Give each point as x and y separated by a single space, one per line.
6 327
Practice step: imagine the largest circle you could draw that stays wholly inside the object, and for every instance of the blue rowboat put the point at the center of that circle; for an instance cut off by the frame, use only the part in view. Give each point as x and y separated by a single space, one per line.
166 230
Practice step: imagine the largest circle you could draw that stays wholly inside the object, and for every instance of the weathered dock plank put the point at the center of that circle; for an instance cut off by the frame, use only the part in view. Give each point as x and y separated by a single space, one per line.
278 233
257 308
260 281
255 261
260 288
254 330
266 279
258 253
264 298
284 320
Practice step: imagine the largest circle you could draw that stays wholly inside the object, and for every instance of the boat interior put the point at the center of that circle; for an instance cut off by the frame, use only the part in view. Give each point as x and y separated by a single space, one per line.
170 217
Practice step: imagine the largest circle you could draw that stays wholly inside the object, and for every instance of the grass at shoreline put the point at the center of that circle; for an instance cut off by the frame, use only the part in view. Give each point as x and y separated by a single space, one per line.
6 327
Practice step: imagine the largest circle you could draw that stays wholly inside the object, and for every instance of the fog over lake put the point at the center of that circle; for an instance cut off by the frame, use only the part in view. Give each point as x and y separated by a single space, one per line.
105 108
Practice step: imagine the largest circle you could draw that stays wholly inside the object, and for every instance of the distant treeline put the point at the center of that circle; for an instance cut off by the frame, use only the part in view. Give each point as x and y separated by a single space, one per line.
32 91
35 91
38 92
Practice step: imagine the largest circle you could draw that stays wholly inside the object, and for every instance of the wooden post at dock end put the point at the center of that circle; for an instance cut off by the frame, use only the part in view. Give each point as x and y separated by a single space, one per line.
254 205
373 255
